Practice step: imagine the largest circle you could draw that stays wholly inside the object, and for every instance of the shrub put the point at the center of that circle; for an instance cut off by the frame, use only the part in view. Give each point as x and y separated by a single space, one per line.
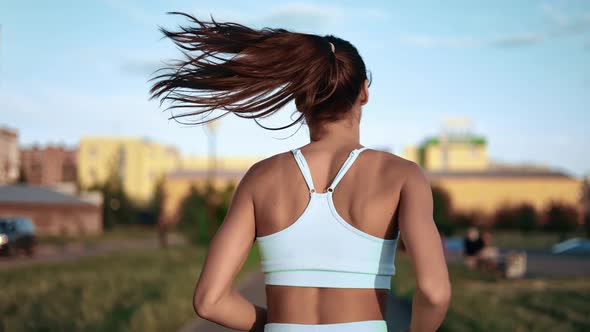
505 217
442 210
560 217
193 217
201 213
523 217
465 219
527 218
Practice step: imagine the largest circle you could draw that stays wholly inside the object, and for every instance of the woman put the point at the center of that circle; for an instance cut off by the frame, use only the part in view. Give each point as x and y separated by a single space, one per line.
326 216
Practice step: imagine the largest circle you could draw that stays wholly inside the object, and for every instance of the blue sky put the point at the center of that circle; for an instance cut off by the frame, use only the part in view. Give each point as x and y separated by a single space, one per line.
519 70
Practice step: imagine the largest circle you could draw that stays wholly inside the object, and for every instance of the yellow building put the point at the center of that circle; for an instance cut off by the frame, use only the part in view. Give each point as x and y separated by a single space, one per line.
459 164
139 162
195 172
450 153
203 162
482 192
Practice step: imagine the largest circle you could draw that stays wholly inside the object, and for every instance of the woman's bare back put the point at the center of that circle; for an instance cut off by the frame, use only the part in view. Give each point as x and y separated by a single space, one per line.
367 198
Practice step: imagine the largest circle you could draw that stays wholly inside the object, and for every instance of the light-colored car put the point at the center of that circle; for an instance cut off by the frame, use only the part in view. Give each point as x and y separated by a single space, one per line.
574 246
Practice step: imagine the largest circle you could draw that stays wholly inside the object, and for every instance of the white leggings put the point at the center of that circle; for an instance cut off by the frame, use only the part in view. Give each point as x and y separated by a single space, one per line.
364 326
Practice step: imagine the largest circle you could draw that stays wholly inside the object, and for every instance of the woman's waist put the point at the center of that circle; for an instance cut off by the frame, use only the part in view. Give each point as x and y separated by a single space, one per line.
319 305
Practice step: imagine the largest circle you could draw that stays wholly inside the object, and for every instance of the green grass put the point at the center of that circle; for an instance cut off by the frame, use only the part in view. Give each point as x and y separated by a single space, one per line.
486 302
149 290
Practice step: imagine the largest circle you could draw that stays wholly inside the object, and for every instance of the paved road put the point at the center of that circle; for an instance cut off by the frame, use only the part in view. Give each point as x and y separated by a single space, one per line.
47 253
543 263
252 288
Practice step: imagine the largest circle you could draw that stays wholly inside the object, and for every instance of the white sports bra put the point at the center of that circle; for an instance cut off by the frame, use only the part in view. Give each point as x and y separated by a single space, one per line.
321 249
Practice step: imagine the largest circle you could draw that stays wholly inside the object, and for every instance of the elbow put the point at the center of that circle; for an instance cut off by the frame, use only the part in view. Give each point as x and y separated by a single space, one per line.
203 306
437 295
201 310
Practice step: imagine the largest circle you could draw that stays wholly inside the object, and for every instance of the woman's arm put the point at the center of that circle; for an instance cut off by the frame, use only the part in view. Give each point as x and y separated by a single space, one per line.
214 298
424 246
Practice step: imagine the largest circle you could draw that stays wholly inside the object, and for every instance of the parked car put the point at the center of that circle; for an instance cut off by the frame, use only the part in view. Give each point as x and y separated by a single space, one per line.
17 234
574 246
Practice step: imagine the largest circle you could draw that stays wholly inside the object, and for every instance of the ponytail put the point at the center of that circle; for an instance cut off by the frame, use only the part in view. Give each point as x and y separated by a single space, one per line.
254 73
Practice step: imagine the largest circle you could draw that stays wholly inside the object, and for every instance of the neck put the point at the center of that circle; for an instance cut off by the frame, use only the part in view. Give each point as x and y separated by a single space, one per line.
342 133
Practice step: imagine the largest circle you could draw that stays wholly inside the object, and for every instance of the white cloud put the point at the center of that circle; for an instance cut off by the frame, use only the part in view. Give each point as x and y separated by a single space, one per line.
560 25
555 14
517 40
427 41
132 10
300 15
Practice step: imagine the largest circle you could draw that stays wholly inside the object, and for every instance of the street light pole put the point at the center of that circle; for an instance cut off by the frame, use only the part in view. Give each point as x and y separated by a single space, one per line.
212 155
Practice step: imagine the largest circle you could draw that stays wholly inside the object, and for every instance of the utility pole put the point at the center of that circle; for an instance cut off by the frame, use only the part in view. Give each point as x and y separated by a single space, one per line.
585 200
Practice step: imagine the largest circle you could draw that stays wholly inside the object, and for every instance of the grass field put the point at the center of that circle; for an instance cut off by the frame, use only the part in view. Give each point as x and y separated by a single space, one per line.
484 302
148 290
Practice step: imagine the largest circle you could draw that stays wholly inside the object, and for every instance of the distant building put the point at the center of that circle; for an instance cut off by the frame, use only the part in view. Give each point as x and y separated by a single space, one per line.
49 165
52 212
139 163
227 163
483 192
9 162
195 172
178 184
450 153
459 164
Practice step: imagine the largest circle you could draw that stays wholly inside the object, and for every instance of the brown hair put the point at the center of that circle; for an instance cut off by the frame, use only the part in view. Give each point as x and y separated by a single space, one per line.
254 73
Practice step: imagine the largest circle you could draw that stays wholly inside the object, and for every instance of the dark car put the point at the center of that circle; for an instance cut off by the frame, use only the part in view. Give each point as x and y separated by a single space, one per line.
17 234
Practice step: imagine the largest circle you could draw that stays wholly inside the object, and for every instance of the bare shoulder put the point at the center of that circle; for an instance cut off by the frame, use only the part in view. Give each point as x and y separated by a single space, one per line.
396 166
264 170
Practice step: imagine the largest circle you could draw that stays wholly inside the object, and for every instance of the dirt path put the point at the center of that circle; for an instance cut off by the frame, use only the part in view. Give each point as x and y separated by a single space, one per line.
252 288
53 253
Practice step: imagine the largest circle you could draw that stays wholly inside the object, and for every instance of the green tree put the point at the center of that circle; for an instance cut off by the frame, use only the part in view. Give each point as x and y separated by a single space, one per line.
465 219
202 212
117 207
561 218
442 210
157 201
505 217
225 198
193 221
527 218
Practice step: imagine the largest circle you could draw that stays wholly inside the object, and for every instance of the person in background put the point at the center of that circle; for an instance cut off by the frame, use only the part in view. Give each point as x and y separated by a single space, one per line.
473 243
488 255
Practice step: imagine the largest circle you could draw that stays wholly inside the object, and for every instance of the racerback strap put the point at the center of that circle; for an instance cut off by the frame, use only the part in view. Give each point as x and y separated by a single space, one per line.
302 163
304 169
345 167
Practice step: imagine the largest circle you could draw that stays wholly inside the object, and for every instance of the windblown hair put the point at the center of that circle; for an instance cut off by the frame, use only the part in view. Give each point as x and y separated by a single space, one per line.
254 73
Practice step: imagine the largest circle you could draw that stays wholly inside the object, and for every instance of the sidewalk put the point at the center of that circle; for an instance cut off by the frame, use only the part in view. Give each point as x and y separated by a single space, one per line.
252 288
